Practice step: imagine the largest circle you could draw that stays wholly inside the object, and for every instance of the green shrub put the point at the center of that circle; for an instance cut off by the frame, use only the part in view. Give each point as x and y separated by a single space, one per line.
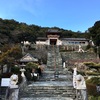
94 97
94 80
15 70
91 88
93 65
97 66
31 65
92 73
28 74
81 72
89 63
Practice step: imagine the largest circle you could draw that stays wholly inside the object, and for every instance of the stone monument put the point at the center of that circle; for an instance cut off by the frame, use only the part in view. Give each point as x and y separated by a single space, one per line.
13 88
22 72
80 49
79 84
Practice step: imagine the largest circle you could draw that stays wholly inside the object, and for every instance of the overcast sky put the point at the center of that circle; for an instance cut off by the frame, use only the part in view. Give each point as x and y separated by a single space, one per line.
75 15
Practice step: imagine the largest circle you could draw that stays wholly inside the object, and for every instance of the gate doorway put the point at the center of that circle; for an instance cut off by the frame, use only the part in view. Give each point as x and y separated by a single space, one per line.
53 41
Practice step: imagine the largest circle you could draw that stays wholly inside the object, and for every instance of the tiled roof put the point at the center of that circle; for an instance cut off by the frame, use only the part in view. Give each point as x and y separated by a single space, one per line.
41 38
53 30
77 39
28 58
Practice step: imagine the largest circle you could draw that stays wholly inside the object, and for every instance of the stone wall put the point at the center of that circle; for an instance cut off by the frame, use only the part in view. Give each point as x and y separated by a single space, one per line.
78 56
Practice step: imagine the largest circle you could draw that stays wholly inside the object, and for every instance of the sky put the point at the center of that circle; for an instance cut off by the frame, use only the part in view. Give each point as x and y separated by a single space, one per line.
75 15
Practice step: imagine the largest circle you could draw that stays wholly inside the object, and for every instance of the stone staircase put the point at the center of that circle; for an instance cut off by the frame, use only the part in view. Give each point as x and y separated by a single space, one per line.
48 90
51 86
53 57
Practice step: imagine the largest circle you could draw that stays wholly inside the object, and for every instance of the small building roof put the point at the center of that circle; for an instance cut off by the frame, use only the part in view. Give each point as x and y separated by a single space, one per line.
53 30
28 58
42 38
75 39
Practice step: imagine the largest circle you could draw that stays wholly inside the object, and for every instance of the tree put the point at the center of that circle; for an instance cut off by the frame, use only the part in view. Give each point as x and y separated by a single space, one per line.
94 32
8 57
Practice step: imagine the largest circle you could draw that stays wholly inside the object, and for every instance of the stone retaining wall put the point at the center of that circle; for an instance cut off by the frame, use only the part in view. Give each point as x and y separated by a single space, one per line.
78 56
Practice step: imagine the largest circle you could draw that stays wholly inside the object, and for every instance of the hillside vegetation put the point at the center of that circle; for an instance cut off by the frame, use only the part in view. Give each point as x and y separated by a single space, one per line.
12 31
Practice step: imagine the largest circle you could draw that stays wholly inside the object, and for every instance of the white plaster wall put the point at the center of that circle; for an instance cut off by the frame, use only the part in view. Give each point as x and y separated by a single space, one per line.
59 42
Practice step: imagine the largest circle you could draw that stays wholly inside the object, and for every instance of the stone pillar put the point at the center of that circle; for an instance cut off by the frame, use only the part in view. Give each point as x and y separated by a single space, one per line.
13 94
74 77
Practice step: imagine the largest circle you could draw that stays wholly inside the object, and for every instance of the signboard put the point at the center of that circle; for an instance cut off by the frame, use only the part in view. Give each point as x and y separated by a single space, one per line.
5 81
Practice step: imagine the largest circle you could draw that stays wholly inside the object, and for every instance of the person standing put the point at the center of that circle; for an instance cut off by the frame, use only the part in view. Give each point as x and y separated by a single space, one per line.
34 75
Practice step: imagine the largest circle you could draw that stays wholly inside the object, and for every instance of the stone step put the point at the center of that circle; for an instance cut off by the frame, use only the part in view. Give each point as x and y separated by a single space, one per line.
49 94
62 71
64 84
39 94
63 75
49 89
47 98
53 77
